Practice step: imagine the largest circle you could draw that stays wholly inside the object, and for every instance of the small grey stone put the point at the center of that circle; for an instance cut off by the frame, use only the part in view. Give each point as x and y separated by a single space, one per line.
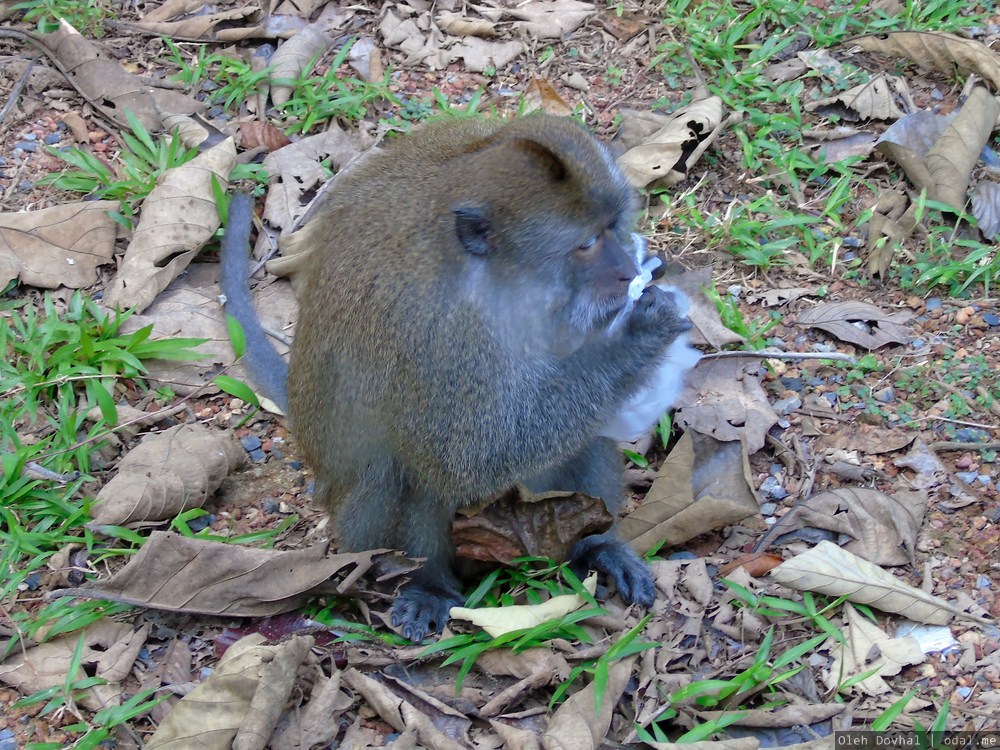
992 319
53 138
785 406
250 443
768 509
793 384
967 476
25 146
852 242
257 456
885 395
918 344
822 346
933 303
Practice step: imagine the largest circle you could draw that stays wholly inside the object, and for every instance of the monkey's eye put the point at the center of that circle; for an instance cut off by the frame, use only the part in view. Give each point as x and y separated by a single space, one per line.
590 244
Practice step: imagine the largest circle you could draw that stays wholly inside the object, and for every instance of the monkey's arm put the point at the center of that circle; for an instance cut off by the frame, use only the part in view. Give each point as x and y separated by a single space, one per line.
267 367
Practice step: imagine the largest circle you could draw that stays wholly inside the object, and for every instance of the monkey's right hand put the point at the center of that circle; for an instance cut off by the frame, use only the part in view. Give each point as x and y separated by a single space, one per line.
657 317
422 608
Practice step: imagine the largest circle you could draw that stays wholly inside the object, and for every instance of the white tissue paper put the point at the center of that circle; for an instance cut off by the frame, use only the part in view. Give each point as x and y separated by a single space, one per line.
637 414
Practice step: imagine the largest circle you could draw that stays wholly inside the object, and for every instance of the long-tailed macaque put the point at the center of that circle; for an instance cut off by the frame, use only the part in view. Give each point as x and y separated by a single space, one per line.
459 333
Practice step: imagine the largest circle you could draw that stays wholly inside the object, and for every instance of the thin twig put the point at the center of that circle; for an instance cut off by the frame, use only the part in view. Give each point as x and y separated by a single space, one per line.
16 92
771 354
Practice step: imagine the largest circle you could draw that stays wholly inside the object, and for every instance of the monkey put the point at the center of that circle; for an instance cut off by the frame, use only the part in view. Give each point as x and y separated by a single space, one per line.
455 340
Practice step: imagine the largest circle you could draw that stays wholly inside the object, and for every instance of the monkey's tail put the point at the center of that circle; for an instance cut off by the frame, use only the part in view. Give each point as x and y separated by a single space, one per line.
266 366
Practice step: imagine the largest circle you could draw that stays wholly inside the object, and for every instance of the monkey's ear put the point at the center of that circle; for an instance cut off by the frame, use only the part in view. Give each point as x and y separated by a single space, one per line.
474 230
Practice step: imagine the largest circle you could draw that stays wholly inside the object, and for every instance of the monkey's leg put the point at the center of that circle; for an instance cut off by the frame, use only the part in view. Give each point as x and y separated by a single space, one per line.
597 471
423 604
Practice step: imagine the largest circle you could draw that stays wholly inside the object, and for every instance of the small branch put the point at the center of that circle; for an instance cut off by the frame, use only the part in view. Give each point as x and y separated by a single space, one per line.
771 354
947 446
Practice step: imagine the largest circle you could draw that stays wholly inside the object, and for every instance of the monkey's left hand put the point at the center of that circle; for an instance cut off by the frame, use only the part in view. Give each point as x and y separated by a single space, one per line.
606 553
421 609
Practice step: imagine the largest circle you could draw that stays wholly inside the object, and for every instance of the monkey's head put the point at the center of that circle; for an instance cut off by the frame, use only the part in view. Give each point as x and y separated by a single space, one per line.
554 213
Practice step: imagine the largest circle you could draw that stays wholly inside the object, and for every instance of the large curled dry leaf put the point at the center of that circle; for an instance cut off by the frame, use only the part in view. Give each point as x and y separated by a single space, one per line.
240 702
222 25
498 621
548 19
938 51
522 523
400 713
884 527
109 651
828 569
725 400
665 155
944 171
986 208
868 647
872 100
859 323
178 217
292 57
108 86
167 473
578 724
58 246
704 484
181 574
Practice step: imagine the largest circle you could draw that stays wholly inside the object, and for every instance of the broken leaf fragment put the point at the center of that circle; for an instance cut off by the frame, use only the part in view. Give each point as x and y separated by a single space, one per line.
860 323
498 621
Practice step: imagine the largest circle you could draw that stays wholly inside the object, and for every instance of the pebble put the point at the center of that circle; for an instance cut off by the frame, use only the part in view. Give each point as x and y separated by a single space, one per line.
991 319
822 346
272 506
52 139
773 489
917 343
993 514
971 435
982 582
852 242
968 476
831 398
201 522
250 443
25 146
776 343
933 303
683 555
768 509
885 395
815 382
257 456
785 406
849 255
295 465
7 740
735 291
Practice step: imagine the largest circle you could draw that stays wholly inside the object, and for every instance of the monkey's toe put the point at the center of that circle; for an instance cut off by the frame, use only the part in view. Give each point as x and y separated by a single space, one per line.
605 553
420 610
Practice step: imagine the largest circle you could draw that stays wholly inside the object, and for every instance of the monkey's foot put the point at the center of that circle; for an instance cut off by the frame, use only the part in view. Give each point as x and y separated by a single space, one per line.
606 553
421 609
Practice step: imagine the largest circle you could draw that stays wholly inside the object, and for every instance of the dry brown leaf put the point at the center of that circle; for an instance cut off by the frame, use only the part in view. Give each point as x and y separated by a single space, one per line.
986 208
540 95
704 484
550 19
172 9
399 713
458 25
421 47
167 473
291 59
58 246
237 707
577 724
479 54
865 638
725 400
297 172
262 134
707 327
178 217
828 569
936 50
181 574
867 438
781 296
521 664
109 649
884 527
756 564
833 145
666 155
873 100
498 621
523 523
107 86
623 26
316 725
858 323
